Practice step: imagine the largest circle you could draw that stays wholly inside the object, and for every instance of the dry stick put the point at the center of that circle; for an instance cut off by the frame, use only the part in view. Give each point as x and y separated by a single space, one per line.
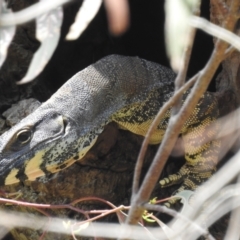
172 131
176 102
119 214
40 205
229 51
103 214
216 31
171 136
159 116
221 7
153 127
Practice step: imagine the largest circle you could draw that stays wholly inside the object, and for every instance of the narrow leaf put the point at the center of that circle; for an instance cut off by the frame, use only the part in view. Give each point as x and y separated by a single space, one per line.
30 13
48 33
178 13
6 34
86 13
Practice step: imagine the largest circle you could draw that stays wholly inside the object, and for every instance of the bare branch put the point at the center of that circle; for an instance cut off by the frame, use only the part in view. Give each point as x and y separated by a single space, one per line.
176 98
216 31
153 127
221 6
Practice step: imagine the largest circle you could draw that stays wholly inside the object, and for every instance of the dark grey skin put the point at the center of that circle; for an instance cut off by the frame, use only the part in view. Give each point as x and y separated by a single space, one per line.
65 127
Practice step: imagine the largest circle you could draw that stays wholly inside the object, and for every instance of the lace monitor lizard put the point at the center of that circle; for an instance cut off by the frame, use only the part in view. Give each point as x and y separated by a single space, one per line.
127 90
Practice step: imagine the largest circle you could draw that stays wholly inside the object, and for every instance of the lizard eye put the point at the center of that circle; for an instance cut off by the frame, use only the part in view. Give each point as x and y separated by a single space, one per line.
24 136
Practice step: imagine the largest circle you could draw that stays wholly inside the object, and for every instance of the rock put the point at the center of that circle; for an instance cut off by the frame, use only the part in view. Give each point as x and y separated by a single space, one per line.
2 126
20 110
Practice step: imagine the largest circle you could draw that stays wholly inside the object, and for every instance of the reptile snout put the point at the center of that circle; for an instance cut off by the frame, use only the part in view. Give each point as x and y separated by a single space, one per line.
22 148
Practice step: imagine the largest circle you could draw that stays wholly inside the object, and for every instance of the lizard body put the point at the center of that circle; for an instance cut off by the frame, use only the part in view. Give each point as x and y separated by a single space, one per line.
127 90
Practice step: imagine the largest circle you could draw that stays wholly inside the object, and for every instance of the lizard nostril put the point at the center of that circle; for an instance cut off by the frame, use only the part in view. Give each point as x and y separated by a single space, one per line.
65 123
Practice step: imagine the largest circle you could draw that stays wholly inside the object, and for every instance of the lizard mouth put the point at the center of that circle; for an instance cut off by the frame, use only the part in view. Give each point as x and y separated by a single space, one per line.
30 167
39 164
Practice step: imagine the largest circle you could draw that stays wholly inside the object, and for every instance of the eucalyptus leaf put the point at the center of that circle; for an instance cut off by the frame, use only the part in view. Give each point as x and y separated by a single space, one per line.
48 33
85 15
30 13
6 34
178 13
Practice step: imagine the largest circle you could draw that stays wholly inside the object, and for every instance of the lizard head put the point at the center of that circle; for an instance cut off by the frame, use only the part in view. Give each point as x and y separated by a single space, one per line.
37 145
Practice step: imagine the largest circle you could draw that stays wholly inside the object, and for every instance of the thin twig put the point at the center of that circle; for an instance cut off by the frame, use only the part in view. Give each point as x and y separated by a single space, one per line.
229 51
38 205
176 101
103 214
153 127
120 214
216 31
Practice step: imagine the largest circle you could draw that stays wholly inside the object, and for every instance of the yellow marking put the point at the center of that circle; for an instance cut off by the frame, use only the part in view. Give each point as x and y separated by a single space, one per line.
11 177
56 167
86 149
141 129
33 169
53 168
